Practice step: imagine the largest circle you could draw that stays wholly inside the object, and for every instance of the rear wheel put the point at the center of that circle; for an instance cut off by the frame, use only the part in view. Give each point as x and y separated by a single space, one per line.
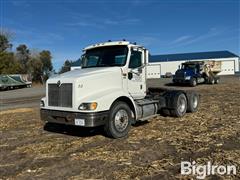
119 122
193 82
165 112
217 80
180 103
193 102
211 81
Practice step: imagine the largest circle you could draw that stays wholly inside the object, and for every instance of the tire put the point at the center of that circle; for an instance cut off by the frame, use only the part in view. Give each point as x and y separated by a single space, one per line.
180 103
211 81
193 102
217 80
119 122
193 82
165 112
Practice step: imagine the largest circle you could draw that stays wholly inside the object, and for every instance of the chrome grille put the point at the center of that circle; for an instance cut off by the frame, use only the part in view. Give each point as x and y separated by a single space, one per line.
60 95
180 74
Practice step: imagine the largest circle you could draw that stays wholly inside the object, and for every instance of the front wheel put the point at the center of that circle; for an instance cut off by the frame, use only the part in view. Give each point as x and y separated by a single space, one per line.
119 122
193 82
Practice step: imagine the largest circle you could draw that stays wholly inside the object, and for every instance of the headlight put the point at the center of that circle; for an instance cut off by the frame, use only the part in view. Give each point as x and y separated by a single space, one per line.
88 106
41 103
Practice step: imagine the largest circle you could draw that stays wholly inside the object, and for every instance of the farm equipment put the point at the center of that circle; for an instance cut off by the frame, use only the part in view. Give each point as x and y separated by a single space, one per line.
110 90
12 81
195 72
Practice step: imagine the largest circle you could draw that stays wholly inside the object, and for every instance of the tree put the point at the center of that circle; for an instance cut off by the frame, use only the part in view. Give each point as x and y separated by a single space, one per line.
35 68
66 66
4 41
46 59
23 55
8 64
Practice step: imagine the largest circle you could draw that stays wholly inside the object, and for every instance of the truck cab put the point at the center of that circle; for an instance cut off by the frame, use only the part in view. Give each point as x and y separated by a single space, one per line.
190 72
110 90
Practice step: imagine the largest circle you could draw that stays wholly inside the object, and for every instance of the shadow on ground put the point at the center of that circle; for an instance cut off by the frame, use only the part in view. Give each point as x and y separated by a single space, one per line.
73 130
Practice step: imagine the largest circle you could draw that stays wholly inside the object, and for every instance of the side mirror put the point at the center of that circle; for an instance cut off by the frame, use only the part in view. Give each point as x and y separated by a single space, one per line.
130 75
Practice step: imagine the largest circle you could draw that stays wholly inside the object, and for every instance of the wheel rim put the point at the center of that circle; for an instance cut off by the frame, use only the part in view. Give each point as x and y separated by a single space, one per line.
121 120
195 102
182 105
194 83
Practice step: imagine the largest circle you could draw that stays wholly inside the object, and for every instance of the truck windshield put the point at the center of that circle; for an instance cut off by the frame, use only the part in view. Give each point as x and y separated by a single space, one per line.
105 56
189 66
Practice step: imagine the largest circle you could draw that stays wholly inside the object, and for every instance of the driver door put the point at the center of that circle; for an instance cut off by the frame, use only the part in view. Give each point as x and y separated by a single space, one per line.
136 74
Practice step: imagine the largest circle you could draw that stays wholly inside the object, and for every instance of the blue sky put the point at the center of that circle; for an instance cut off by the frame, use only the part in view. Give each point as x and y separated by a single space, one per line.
66 27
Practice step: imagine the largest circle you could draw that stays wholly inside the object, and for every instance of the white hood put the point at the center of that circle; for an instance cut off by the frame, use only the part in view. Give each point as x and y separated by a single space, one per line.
89 84
80 73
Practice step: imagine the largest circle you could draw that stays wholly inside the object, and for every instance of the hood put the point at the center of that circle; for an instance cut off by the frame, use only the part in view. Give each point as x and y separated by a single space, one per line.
86 72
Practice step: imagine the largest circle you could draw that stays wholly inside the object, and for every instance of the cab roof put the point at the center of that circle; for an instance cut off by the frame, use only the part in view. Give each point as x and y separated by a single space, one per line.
110 43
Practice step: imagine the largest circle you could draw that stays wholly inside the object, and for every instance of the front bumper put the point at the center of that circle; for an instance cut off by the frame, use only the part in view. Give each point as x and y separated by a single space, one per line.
65 117
181 80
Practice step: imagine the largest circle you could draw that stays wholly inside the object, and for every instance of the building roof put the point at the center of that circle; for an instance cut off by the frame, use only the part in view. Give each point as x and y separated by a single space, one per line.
192 56
183 56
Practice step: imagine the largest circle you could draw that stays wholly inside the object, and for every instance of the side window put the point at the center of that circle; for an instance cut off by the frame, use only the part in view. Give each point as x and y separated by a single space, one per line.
135 59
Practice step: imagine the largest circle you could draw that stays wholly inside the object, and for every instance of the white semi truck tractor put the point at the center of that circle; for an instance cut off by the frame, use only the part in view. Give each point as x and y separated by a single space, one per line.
110 90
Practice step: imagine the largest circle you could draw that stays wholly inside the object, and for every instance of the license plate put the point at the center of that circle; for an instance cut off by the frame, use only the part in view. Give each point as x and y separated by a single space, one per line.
80 122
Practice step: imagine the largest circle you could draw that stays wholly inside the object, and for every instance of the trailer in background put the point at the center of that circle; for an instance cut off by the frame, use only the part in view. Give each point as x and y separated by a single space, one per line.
12 81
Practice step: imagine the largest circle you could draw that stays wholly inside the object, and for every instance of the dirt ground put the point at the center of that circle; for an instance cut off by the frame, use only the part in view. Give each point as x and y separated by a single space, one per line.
153 150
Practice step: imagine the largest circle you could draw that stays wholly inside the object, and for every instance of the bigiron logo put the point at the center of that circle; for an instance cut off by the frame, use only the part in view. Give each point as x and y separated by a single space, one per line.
201 171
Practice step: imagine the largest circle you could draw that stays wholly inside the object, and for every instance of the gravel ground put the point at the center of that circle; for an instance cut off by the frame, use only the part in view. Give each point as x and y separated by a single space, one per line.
20 98
153 150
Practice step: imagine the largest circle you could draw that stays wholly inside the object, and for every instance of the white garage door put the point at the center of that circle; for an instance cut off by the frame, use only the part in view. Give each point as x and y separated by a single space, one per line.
153 71
227 68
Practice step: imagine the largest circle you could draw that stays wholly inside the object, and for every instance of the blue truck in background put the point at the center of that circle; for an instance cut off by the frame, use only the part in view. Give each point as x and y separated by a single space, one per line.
195 72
